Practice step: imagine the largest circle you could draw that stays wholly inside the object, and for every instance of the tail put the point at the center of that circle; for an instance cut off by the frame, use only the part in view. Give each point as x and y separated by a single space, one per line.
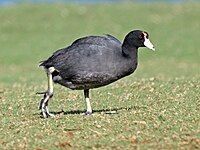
45 64
42 63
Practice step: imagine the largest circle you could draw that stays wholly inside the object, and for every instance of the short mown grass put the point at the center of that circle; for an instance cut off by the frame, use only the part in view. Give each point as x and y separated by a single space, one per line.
155 108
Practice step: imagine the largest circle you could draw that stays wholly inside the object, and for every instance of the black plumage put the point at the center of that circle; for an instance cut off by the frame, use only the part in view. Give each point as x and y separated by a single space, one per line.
94 61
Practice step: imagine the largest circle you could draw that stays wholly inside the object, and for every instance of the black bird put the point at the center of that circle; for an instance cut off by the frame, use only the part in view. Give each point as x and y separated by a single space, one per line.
92 62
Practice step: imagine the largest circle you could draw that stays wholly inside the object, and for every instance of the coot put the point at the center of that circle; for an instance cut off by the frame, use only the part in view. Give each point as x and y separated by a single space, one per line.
92 62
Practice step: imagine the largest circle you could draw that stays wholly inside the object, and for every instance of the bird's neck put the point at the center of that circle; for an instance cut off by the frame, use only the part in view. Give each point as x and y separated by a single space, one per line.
129 50
130 53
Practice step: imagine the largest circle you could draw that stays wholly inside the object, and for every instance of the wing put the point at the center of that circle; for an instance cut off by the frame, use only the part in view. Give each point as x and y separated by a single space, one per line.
59 55
87 58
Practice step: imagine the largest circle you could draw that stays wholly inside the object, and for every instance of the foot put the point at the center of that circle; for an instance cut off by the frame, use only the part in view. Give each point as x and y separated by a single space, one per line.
87 113
46 113
43 105
42 100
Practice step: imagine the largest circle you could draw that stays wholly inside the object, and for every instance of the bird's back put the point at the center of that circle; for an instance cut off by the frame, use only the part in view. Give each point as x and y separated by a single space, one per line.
92 59
60 55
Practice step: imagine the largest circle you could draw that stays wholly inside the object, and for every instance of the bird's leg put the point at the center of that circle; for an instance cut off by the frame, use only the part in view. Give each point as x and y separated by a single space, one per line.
87 100
47 95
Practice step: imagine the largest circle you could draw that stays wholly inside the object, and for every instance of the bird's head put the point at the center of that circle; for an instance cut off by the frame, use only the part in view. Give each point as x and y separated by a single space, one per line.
138 38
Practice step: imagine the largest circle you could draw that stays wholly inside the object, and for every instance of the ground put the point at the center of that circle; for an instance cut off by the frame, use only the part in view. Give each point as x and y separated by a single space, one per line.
157 107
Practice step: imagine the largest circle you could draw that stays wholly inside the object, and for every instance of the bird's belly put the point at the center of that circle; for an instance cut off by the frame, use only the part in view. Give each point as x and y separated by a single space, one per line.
81 86
88 81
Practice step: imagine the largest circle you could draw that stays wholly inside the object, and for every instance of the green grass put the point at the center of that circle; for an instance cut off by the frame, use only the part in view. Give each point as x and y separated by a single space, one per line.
155 108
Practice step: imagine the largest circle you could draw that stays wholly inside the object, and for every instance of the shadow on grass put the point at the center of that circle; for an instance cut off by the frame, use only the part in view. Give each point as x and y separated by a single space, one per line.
104 111
113 111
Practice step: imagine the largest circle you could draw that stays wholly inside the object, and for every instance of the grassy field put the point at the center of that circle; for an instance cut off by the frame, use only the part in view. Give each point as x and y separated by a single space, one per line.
155 108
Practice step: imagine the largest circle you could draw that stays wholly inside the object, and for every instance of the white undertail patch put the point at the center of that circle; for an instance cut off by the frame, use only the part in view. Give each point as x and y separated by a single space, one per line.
51 69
